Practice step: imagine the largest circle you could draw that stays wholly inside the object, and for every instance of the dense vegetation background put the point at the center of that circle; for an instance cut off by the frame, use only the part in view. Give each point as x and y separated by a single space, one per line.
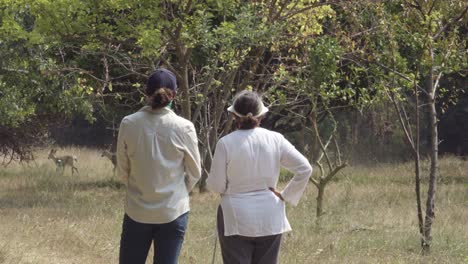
72 69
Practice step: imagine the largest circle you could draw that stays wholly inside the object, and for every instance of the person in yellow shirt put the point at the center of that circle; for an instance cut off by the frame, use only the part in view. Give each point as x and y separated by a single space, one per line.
159 161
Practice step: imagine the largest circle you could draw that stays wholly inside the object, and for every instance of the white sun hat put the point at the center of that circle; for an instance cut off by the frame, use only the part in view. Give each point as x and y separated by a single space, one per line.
263 109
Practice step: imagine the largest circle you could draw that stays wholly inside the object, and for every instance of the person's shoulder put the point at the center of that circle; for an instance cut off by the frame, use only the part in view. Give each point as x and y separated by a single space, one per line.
227 137
269 133
181 123
131 118
231 138
232 135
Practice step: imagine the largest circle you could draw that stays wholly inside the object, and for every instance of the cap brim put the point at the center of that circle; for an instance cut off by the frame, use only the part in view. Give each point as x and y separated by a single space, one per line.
262 112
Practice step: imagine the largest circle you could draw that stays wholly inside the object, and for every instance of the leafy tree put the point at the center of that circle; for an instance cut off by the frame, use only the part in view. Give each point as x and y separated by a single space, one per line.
30 96
408 47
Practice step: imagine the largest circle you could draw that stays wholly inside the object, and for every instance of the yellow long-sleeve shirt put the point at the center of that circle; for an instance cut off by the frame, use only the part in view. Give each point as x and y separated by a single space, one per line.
158 158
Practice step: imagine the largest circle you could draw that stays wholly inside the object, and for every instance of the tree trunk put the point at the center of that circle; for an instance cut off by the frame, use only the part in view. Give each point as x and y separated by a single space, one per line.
185 95
206 164
218 104
430 203
434 161
321 192
417 170
417 174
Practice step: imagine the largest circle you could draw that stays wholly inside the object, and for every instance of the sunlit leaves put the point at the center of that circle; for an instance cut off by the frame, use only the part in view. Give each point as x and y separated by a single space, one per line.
150 40
305 18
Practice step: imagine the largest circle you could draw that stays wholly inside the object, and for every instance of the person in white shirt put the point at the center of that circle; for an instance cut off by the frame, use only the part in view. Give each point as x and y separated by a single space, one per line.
158 158
245 170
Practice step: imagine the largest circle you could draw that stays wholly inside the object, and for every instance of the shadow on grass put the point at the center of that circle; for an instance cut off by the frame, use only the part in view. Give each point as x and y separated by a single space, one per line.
441 179
51 194
24 198
104 184
452 179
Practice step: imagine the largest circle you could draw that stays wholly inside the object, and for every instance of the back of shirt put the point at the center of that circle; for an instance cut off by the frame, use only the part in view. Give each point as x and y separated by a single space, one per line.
251 160
158 155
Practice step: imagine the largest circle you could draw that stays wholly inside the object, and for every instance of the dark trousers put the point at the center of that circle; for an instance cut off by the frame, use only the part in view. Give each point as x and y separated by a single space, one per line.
247 250
137 237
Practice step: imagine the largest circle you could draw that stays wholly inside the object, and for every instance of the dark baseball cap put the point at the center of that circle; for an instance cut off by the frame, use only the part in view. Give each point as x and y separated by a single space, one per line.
161 78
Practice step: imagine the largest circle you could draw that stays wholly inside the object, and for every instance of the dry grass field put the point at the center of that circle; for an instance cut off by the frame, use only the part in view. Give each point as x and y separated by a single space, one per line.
370 216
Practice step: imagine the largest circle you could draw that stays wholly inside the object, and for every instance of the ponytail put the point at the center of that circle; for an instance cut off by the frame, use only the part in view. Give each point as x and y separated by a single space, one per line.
160 98
248 121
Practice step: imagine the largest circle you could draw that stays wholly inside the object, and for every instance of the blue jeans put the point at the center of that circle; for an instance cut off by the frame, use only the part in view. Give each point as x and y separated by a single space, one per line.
137 237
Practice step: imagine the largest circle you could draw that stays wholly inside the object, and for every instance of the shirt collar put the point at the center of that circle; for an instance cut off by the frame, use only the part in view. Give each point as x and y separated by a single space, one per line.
150 110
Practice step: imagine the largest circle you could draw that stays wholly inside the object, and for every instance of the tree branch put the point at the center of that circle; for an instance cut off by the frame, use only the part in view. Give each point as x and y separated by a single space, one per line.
455 20
402 76
333 173
401 119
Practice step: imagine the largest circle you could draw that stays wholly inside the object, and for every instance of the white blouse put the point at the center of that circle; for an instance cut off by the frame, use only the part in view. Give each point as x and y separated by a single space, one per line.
245 164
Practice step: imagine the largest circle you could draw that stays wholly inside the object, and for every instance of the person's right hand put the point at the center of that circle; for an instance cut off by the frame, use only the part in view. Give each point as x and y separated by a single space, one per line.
276 193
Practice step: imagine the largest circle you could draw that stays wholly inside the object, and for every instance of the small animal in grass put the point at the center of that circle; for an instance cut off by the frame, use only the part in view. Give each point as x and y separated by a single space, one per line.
111 156
62 161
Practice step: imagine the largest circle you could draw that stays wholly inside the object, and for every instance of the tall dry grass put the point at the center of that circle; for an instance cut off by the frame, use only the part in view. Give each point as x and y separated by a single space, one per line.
370 216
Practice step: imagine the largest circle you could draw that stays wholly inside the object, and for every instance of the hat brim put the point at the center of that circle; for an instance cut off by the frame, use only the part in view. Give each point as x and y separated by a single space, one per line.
262 112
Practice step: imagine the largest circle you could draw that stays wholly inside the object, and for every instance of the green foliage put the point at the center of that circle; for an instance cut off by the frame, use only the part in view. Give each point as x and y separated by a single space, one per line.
14 107
87 57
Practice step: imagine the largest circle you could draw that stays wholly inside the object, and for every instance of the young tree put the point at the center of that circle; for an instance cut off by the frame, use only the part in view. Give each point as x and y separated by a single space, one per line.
422 44
438 50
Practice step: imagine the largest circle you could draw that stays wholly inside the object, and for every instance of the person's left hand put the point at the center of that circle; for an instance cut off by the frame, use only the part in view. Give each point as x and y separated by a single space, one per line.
276 193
